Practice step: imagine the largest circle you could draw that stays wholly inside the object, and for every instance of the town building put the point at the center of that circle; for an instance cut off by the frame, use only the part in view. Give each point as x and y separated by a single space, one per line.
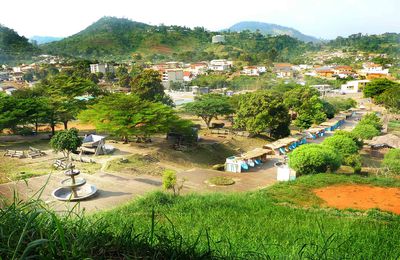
218 39
103 68
220 65
353 86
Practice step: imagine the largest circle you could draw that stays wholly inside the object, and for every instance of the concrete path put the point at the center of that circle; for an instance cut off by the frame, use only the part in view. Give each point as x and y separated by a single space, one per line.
112 189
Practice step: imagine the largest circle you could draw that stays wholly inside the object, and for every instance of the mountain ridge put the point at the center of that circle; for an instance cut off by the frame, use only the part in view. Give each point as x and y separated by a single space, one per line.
272 29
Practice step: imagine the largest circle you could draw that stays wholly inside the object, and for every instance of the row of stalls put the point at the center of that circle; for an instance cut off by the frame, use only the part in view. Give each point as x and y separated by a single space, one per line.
285 145
246 161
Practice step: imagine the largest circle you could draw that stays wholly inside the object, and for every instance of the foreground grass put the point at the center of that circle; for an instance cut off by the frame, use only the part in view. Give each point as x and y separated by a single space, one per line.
272 223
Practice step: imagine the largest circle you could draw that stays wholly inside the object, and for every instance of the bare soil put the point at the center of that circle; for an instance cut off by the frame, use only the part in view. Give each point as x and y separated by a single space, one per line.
361 197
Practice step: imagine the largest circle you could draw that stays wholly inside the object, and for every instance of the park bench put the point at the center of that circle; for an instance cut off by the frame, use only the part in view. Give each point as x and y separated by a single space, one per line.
15 153
33 153
61 164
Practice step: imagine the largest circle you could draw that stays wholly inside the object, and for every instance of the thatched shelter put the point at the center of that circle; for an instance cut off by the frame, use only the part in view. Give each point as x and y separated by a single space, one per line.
385 141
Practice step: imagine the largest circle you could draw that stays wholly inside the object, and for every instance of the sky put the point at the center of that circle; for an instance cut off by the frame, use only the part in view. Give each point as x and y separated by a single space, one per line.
321 18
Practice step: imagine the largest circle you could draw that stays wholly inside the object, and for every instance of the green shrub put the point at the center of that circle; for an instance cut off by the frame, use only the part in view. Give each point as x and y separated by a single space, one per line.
353 160
365 132
169 179
371 119
221 180
392 161
314 158
342 144
351 135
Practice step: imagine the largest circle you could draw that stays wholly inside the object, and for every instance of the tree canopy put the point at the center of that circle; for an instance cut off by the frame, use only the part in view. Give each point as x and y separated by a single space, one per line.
66 141
147 85
209 107
314 158
263 111
128 115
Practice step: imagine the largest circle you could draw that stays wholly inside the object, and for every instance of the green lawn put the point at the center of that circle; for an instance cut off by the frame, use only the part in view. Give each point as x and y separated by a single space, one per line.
284 221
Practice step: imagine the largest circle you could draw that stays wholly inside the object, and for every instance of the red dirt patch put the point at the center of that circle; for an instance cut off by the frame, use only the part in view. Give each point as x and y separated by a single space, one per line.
361 197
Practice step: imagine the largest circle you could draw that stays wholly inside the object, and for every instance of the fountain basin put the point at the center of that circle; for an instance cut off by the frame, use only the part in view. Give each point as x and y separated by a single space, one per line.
83 192
67 183
72 172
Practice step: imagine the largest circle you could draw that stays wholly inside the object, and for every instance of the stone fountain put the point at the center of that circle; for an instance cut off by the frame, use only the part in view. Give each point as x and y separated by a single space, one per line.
74 188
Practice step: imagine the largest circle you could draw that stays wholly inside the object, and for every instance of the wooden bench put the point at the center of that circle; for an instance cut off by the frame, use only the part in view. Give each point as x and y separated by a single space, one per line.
33 153
15 153
61 164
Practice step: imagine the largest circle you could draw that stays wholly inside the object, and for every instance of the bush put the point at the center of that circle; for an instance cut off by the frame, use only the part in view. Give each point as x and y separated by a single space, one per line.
342 144
314 158
392 161
169 179
221 180
365 132
351 135
371 119
353 160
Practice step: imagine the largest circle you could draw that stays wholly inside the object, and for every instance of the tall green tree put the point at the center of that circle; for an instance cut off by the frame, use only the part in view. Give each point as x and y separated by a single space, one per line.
147 85
66 141
305 101
129 115
263 111
209 107
377 87
63 96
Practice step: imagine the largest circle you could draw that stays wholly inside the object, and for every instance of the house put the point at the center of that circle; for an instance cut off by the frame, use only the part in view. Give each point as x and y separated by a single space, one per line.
343 71
171 75
198 68
187 76
250 71
323 89
220 65
283 70
371 71
353 86
326 72
218 39
103 68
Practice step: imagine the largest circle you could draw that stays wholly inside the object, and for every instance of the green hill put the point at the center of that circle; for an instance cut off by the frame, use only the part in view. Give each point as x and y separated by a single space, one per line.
14 47
271 29
384 43
113 38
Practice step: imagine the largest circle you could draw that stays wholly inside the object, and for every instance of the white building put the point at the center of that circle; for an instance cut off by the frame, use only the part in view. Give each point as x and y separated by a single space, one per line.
353 86
103 68
250 71
218 39
220 65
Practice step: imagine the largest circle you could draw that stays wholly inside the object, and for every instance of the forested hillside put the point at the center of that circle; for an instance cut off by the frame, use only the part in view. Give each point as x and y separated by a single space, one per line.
114 38
385 43
14 47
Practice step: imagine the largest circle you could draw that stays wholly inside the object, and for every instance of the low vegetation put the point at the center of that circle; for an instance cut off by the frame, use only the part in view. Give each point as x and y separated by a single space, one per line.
283 221
135 164
221 181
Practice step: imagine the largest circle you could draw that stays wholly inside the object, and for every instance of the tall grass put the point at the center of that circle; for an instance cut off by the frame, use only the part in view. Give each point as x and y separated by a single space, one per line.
257 225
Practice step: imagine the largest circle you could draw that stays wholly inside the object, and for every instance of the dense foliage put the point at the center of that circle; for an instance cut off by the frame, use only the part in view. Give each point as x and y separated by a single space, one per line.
262 111
209 107
66 141
127 115
385 92
341 144
384 43
314 158
14 47
114 38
